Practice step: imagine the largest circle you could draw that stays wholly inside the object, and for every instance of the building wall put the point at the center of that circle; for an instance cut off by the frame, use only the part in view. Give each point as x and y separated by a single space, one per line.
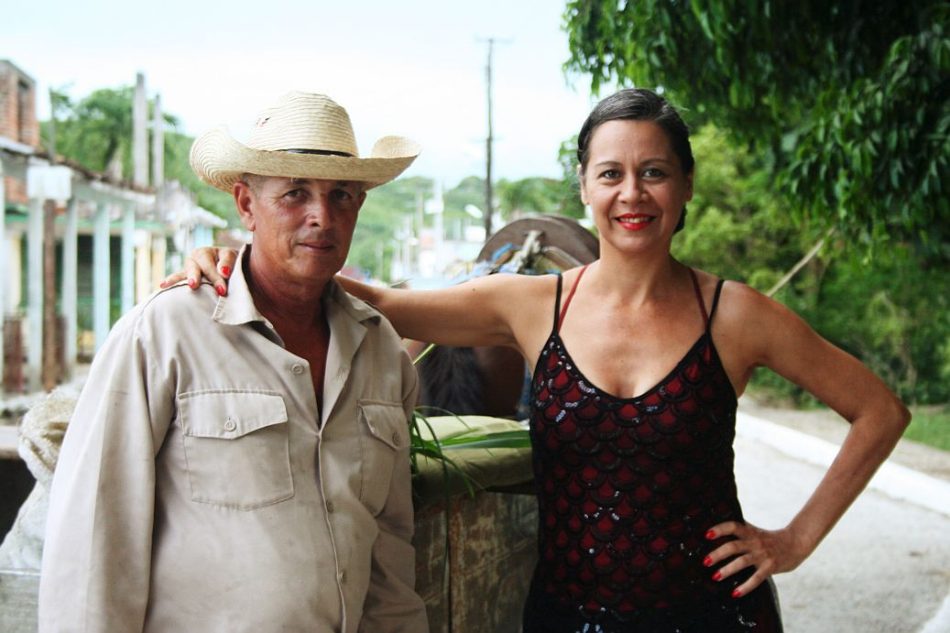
18 106
17 119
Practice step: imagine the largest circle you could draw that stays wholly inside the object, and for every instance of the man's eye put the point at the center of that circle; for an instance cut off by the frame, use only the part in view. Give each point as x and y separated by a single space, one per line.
341 195
294 194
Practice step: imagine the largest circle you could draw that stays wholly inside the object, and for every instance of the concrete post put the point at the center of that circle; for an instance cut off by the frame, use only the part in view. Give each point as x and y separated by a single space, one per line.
158 146
100 275
70 287
4 269
143 266
34 312
128 259
159 248
140 133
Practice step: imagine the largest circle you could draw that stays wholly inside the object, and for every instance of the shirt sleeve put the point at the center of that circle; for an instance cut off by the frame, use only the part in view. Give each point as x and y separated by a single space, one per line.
392 604
97 551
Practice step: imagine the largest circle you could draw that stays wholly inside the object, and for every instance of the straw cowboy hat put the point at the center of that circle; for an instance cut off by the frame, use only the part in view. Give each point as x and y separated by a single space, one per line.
303 136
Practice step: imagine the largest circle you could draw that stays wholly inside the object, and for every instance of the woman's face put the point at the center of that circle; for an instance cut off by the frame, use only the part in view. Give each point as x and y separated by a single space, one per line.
635 185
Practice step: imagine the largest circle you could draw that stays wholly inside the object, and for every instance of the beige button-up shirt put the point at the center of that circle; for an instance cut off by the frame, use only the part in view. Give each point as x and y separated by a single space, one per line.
200 490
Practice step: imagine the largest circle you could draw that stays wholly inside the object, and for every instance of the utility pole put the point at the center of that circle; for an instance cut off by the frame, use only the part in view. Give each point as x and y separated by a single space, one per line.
489 195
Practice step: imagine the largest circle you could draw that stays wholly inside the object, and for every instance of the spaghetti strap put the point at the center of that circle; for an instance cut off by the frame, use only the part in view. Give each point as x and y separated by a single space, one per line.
570 296
715 302
699 297
557 305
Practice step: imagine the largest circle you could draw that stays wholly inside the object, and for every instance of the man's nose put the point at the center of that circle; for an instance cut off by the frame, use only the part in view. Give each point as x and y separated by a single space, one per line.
319 212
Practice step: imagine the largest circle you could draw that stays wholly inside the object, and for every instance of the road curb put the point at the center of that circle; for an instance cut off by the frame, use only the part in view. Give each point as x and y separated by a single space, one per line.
892 479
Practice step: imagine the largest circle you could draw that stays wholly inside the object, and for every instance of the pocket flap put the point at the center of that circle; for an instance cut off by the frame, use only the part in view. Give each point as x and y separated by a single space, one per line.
229 414
386 422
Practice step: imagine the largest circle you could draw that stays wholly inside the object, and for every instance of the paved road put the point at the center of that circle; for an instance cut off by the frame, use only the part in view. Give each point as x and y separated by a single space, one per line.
886 565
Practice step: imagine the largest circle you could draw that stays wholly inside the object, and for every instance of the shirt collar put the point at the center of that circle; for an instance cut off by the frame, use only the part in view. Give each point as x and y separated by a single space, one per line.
237 308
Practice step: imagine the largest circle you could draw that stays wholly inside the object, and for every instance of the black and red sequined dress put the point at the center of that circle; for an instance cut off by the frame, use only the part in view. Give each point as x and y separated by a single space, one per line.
627 489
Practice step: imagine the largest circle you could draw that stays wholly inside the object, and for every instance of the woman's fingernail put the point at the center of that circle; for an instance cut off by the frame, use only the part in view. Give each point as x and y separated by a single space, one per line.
707 561
717 576
736 593
226 271
192 284
220 290
711 534
161 284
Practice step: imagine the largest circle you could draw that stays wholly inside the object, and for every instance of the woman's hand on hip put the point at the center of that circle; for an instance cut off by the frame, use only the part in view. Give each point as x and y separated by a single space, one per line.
767 551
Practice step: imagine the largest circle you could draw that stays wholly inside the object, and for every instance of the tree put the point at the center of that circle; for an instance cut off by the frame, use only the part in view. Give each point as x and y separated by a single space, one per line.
537 195
97 130
849 100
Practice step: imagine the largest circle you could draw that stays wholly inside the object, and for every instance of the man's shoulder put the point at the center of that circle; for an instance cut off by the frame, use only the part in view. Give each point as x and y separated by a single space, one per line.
172 306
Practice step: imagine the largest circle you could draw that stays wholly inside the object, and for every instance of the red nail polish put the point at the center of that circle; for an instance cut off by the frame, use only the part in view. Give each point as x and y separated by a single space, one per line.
707 561
220 290
717 576
736 593
192 284
226 271
710 535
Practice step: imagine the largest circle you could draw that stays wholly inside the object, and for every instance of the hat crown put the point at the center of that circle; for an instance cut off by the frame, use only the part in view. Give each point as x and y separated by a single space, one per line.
304 121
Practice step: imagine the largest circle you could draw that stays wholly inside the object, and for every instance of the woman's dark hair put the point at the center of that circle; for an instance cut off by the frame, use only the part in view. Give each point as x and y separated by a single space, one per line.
639 104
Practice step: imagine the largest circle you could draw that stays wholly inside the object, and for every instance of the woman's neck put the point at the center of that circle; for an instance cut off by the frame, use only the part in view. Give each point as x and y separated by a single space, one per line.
634 281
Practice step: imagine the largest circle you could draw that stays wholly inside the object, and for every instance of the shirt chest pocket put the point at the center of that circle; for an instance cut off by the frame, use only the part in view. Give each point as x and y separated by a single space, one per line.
237 448
384 439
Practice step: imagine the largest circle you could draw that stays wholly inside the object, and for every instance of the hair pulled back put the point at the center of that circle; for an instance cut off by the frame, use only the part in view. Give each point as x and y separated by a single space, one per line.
639 104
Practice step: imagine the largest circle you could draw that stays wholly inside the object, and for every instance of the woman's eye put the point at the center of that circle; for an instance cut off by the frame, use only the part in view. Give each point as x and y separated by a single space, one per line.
652 172
610 174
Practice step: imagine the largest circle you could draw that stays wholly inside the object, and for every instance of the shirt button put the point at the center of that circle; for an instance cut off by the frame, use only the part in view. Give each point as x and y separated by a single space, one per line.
395 438
297 369
229 425
342 577
330 507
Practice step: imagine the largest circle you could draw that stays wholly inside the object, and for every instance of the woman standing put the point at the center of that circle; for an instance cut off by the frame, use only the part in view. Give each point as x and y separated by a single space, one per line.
639 361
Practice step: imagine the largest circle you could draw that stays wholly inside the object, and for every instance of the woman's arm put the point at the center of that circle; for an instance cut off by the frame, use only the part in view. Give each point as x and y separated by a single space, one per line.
752 330
502 309
493 310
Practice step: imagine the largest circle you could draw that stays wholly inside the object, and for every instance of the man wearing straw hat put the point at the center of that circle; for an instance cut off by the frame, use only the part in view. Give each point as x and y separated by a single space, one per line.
276 498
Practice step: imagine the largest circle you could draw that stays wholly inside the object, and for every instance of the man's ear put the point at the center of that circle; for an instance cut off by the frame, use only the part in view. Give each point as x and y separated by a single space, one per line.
244 201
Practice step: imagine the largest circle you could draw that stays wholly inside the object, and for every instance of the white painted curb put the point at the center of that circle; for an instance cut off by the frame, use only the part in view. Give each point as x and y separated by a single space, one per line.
891 479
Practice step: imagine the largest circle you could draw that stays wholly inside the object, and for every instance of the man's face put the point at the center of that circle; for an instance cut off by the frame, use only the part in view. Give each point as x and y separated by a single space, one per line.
302 228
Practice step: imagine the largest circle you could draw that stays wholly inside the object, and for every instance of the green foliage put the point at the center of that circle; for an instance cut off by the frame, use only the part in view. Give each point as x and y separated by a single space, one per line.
735 225
847 100
894 315
931 426
386 209
177 167
96 130
531 196
890 311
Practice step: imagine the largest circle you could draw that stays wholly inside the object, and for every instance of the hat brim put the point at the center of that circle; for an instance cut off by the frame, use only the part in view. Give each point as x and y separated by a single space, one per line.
220 161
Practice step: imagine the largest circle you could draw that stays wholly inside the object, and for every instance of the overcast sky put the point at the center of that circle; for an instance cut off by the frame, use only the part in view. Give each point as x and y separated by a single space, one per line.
409 67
